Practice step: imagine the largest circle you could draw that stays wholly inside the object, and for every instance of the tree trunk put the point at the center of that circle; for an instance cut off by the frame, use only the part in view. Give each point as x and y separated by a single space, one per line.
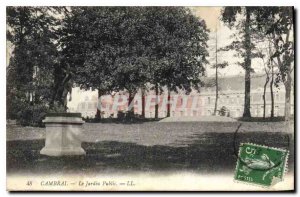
247 113
143 102
271 92
156 101
98 113
288 88
130 99
217 85
168 104
288 81
217 92
264 95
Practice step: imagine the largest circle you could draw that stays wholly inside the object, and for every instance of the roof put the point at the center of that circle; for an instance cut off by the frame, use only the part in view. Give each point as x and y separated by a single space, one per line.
235 82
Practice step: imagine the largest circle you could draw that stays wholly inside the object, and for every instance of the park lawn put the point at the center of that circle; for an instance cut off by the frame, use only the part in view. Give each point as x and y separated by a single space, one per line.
151 146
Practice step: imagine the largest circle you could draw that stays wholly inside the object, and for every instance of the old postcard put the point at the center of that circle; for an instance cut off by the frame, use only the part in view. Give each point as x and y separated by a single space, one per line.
150 98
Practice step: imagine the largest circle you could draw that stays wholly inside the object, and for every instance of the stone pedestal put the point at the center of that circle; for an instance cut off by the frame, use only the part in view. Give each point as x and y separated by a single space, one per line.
63 133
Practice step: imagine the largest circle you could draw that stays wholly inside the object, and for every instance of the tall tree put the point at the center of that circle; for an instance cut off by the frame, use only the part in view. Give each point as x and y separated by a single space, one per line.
278 23
32 33
99 43
241 18
179 44
216 50
126 48
267 70
271 90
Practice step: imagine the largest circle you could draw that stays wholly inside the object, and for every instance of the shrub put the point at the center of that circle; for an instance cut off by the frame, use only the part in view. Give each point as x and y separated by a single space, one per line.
32 115
128 116
224 111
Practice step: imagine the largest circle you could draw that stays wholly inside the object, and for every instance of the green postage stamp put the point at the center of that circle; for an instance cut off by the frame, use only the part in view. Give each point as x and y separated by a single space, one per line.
260 165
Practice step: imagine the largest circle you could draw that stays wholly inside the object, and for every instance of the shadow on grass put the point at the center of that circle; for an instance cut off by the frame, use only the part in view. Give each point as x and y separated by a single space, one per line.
261 119
208 152
121 121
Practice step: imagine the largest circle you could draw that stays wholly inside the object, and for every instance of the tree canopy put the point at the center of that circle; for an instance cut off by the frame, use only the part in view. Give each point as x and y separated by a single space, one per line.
104 48
32 33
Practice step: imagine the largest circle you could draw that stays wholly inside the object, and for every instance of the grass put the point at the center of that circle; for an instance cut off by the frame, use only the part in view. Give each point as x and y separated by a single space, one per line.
267 119
151 146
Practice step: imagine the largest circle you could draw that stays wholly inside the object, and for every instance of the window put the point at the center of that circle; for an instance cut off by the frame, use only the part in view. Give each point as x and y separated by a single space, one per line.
208 100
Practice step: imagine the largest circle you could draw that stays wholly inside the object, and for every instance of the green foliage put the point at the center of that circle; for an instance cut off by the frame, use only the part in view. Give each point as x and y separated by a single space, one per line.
31 31
119 48
180 48
224 111
229 15
274 23
31 115
104 48
235 18
99 43
277 23
220 65
128 117
242 20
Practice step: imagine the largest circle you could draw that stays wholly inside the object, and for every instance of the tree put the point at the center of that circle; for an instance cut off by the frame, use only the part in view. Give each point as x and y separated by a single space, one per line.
268 70
87 48
178 40
32 33
104 46
277 22
241 18
126 48
215 50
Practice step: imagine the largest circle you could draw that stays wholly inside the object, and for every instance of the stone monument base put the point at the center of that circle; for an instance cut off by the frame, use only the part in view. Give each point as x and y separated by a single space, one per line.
63 132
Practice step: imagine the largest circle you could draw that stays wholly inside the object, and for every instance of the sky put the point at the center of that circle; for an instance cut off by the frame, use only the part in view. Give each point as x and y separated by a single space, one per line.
212 15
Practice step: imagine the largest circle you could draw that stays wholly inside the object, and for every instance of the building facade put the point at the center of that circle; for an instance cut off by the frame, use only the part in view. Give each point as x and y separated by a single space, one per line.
231 98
